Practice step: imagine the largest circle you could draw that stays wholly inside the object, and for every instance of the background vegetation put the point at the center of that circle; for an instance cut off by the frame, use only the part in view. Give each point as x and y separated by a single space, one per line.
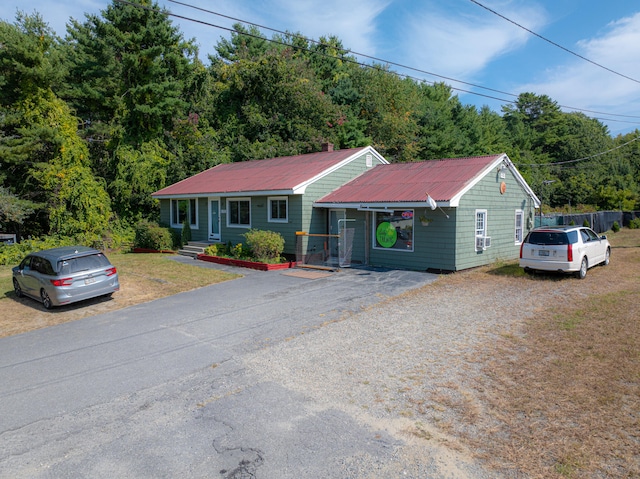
93 123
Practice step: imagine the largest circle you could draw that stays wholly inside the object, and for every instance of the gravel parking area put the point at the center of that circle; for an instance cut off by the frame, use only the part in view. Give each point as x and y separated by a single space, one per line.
404 365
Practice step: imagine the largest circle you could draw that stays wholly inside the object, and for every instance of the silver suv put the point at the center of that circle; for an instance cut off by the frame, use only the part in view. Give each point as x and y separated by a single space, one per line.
568 249
65 275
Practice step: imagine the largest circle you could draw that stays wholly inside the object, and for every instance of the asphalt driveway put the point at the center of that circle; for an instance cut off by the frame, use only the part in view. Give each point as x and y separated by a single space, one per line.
125 394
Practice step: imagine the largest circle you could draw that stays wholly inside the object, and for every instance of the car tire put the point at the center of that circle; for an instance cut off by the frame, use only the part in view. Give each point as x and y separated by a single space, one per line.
584 266
46 300
17 288
607 256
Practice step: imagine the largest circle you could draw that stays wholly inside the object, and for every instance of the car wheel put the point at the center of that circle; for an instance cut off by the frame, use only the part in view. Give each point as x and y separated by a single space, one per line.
17 288
584 265
607 255
46 300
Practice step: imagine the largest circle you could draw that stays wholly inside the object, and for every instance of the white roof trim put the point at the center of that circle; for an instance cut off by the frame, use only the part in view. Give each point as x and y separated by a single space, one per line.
377 206
455 201
300 189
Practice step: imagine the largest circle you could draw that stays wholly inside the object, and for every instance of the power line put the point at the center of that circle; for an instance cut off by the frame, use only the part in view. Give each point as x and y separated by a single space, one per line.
294 35
346 59
590 157
554 43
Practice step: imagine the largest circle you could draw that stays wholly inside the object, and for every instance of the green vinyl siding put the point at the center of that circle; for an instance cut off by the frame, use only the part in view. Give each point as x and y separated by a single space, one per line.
501 209
433 245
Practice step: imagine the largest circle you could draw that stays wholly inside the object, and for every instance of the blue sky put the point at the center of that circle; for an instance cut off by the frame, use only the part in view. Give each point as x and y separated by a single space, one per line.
453 38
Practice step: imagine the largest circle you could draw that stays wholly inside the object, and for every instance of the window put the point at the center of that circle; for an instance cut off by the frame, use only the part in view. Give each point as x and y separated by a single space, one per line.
182 209
393 230
278 209
239 213
519 226
481 230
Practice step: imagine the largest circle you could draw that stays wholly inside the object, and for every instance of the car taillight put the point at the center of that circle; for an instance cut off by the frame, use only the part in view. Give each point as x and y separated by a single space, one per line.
569 252
111 271
62 282
521 246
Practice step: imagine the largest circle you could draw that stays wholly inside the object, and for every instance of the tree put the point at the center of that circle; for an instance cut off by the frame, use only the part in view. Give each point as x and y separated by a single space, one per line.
270 106
14 211
128 68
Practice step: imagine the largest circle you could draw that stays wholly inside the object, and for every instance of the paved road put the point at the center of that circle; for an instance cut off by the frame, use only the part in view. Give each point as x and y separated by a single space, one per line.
159 389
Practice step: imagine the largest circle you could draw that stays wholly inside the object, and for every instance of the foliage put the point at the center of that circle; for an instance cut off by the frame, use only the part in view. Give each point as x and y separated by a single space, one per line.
265 245
262 246
150 235
186 231
91 125
634 224
13 254
615 227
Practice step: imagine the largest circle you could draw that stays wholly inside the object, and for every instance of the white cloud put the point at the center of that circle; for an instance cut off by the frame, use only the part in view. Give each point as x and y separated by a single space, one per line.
581 84
460 44
352 21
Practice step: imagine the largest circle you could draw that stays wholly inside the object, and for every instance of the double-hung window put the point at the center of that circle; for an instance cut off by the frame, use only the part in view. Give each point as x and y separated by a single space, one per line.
239 212
519 226
278 209
184 209
481 230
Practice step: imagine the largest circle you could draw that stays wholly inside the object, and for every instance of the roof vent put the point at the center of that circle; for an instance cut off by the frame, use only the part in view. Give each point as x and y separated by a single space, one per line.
327 147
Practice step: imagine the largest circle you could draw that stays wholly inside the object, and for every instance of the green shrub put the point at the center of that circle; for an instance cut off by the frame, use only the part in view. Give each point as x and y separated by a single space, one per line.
615 227
634 224
238 251
13 254
186 231
586 224
265 245
153 236
212 250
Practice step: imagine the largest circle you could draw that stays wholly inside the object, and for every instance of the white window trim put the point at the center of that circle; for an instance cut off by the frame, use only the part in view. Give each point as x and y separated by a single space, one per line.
380 248
179 225
278 198
475 228
228 210
520 228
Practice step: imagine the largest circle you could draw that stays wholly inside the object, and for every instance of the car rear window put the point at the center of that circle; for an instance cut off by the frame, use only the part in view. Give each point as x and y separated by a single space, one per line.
83 263
552 237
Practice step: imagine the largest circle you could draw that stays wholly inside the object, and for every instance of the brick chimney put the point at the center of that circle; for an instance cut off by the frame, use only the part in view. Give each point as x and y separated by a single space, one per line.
327 146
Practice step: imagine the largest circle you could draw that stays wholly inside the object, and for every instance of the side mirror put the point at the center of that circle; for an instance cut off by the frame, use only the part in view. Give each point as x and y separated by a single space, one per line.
603 237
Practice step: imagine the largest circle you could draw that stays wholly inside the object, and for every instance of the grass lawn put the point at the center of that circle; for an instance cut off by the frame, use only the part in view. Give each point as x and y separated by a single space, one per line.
143 277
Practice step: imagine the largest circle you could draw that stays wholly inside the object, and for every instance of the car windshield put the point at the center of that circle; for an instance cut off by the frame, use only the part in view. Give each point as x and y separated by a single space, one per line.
83 263
552 237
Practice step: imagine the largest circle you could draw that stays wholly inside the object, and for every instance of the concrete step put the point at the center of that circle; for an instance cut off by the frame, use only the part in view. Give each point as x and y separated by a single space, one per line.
193 249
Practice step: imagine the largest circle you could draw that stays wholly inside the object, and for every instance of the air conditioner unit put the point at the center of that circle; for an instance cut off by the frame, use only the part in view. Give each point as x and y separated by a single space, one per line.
483 242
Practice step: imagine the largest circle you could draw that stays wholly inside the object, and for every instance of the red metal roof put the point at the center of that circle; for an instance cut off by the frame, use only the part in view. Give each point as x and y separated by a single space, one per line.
411 182
274 174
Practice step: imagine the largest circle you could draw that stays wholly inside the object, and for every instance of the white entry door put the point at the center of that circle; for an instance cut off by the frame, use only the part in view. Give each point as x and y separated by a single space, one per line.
214 219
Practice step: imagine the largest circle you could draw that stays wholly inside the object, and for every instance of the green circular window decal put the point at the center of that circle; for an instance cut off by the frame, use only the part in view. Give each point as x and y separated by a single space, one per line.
386 235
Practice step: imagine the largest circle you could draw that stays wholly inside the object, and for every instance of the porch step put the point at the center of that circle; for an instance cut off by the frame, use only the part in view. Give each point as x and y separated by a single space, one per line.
193 249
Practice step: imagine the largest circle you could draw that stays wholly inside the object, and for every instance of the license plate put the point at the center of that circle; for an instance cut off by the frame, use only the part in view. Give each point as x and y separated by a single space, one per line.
89 281
543 252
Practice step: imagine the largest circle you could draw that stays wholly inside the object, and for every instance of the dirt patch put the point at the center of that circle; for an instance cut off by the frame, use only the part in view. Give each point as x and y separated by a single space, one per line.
132 291
560 397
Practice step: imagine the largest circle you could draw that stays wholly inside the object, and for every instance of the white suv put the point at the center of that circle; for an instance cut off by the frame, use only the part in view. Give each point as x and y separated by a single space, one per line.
568 249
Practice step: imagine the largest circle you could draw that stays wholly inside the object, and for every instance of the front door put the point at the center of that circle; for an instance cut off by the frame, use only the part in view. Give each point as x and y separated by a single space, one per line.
214 219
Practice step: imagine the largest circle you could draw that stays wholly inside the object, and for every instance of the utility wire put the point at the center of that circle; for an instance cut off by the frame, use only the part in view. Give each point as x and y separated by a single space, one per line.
554 43
347 59
347 51
585 158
